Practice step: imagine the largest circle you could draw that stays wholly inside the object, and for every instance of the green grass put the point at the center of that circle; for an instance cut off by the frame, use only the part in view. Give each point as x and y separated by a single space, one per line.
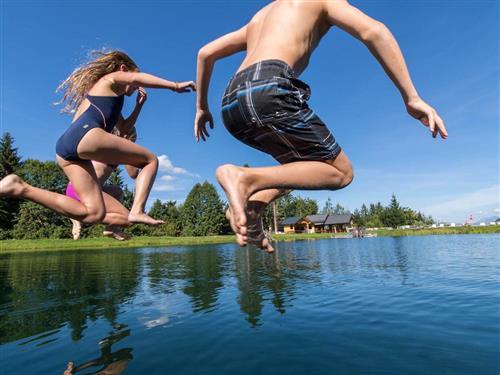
103 242
434 231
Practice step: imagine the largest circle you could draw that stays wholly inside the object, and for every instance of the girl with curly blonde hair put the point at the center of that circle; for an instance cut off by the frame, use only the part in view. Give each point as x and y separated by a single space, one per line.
95 93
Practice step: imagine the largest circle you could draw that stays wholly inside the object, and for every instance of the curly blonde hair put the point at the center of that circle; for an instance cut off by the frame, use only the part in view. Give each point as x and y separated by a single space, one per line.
76 86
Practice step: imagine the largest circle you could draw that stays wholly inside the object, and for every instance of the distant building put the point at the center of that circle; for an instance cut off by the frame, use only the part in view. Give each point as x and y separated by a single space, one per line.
339 223
317 224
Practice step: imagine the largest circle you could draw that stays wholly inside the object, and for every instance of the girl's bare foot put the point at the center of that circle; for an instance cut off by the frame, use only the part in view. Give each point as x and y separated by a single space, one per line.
115 232
241 240
230 178
142 218
12 186
76 231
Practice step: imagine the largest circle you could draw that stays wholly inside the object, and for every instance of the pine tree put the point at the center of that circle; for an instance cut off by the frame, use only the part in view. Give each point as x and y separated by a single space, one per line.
393 216
203 211
328 208
10 162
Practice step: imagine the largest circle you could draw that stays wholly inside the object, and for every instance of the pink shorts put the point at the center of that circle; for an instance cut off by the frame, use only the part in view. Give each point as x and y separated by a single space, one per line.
70 192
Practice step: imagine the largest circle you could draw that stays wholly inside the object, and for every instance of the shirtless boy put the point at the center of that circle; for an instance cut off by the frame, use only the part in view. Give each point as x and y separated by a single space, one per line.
265 104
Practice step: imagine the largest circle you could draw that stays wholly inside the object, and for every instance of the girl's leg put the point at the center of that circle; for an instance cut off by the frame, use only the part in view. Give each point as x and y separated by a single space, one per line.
107 148
114 231
91 208
240 183
76 230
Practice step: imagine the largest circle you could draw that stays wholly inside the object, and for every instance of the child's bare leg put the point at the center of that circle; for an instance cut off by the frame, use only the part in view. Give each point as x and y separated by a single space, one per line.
107 148
91 208
114 231
240 183
254 209
76 231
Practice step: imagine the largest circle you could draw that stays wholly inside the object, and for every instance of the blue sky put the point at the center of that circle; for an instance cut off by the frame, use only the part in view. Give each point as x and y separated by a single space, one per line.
451 47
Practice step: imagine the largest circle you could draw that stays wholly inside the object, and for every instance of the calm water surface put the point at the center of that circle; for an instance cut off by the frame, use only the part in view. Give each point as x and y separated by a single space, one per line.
411 305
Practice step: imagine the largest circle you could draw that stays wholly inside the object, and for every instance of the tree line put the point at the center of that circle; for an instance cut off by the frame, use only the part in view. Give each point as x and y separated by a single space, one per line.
201 214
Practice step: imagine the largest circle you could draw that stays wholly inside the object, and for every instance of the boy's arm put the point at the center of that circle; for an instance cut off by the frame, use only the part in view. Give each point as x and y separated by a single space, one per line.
382 44
226 45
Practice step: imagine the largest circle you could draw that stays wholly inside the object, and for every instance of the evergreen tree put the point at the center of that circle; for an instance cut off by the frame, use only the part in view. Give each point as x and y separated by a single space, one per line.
305 206
168 212
328 208
45 175
339 209
10 162
393 216
116 178
36 221
203 211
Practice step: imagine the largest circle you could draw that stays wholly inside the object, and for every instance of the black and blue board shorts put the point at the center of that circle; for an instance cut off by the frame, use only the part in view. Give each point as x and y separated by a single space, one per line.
265 107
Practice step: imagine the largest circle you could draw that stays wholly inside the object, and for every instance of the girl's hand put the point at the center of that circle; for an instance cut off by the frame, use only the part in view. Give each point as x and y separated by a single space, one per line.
185 86
200 124
142 96
428 116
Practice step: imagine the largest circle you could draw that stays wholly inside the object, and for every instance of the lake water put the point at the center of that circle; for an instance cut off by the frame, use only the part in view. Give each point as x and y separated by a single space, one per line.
407 305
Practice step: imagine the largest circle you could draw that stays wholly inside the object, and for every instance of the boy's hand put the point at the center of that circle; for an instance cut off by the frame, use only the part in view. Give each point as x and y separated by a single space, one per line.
200 124
142 96
428 116
185 86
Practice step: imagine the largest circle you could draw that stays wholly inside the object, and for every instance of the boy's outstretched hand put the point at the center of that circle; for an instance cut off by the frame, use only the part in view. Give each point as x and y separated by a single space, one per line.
200 124
428 116
187 86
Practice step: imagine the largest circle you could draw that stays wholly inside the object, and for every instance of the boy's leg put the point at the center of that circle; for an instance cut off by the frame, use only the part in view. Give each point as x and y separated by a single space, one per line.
241 183
255 207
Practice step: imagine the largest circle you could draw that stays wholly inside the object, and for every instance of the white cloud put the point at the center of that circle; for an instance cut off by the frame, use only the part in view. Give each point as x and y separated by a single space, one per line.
175 179
166 187
456 209
165 165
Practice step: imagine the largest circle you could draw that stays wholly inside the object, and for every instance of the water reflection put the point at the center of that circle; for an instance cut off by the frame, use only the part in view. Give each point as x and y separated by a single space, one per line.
124 304
110 362
42 292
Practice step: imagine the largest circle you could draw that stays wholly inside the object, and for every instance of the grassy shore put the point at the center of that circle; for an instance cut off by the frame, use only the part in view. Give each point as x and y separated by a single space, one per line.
103 242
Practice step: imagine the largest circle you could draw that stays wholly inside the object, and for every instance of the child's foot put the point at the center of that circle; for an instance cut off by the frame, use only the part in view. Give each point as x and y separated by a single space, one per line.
11 186
115 232
142 218
76 231
241 240
256 234
230 178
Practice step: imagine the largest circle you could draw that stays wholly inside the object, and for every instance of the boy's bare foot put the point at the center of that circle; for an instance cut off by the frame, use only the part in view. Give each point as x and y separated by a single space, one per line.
256 235
76 231
115 232
142 218
11 186
230 178
241 240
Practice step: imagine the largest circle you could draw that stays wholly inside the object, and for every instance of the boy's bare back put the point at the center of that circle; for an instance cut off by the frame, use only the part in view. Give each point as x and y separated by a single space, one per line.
287 30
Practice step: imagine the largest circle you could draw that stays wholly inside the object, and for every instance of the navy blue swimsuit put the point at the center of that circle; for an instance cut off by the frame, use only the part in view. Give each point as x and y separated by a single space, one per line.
103 112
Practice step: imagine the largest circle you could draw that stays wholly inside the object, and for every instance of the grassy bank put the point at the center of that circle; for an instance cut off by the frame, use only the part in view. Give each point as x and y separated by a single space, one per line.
103 242
437 231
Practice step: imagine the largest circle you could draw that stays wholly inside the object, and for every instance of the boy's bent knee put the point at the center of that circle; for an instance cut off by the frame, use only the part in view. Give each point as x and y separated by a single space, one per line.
347 178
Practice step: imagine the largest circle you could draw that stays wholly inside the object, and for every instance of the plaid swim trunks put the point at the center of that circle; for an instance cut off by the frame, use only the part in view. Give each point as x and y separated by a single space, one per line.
265 107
